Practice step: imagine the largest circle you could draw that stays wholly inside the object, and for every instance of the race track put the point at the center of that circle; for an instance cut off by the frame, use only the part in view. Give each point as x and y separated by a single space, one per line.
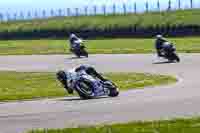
178 100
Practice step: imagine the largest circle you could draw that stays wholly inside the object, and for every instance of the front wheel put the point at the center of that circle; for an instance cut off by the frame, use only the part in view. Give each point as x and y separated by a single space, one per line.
112 88
175 57
113 92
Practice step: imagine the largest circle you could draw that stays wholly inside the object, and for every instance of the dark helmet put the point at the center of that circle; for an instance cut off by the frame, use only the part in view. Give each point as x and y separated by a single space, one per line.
62 77
82 67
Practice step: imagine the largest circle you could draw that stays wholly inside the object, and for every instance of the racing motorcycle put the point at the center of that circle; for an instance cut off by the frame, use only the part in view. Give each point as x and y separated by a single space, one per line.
79 50
87 86
169 52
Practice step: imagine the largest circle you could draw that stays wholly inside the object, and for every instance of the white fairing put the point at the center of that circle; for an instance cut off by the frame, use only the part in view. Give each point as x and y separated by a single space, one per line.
71 77
88 77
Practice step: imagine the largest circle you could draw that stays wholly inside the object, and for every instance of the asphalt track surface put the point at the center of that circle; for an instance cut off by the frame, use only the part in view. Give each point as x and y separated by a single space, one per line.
152 103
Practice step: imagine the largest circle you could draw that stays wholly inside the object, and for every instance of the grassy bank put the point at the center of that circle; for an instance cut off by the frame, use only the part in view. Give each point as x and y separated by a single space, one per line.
107 46
163 19
171 126
18 86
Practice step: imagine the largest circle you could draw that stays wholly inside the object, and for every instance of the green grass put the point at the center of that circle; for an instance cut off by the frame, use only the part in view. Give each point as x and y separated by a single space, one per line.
18 86
100 22
168 126
106 46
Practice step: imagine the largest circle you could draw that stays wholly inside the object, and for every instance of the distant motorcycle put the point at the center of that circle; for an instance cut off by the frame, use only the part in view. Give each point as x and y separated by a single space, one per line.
85 85
79 50
169 52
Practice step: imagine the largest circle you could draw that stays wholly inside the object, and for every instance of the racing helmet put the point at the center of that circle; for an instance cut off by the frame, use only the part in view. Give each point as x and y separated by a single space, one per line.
62 77
159 36
166 43
82 67
72 36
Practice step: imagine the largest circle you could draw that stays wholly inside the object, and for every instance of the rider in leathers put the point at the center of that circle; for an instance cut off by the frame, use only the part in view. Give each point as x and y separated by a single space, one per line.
159 43
74 41
63 75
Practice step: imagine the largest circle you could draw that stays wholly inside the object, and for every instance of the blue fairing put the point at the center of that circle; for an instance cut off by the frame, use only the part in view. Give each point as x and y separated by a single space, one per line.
98 88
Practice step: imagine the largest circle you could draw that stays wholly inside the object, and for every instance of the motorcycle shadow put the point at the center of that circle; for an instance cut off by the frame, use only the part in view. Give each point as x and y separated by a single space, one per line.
75 58
164 62
80 99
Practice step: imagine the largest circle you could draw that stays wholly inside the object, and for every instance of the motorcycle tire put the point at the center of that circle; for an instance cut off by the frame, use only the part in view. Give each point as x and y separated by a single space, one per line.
113 89
84 89
84 53
113 92
175 57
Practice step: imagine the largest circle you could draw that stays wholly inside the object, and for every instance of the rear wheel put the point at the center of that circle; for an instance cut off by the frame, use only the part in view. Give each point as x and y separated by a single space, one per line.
77 54
84 53
84 89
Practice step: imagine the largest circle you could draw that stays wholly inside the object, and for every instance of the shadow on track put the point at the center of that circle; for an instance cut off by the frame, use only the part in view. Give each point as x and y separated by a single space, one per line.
72 58
80 99
75 58
164 62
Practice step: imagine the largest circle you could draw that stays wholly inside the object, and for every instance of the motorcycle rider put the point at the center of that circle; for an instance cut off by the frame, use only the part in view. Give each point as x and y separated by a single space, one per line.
74 41
166 49
63 75
159 43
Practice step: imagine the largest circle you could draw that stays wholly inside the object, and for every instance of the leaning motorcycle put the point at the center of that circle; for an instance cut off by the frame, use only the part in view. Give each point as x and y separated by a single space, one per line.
86 85
80 50
169 52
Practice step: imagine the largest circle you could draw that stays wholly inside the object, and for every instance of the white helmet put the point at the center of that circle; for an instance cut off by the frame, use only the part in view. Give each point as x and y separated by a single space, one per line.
166 43
72 35
159 36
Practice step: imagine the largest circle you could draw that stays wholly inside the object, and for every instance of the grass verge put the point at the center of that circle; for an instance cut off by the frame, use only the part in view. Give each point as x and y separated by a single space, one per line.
101 22
18 85
168 126
106 46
